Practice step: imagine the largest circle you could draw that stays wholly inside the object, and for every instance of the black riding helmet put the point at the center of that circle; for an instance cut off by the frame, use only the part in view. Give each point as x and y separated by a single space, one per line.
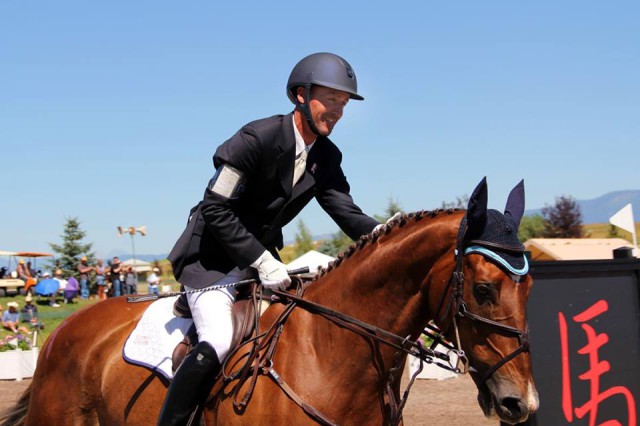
322 69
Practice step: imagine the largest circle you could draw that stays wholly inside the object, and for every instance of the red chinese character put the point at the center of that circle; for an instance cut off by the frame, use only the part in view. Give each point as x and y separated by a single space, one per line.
597 368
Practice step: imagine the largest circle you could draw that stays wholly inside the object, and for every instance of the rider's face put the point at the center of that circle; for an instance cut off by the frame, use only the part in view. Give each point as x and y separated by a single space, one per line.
327 106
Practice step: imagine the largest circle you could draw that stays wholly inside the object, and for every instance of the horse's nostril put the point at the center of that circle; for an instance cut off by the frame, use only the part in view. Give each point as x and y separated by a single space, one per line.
513 408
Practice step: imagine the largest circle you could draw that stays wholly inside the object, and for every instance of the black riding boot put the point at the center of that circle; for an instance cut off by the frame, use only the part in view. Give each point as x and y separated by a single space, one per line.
190 386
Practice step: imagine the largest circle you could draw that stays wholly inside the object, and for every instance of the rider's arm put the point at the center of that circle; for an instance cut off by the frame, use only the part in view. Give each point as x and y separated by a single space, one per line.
235 161
334 197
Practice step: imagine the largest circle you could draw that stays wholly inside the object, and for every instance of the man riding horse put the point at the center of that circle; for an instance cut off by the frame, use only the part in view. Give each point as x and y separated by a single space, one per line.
265 175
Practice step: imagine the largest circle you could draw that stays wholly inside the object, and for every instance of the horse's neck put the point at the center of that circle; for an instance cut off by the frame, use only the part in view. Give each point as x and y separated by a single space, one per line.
381 283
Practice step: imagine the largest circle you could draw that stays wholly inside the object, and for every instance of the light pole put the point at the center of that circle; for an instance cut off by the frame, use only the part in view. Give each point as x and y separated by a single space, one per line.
142 230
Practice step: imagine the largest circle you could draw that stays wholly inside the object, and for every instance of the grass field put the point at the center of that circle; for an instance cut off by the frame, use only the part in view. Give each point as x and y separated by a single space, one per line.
49 316
603 230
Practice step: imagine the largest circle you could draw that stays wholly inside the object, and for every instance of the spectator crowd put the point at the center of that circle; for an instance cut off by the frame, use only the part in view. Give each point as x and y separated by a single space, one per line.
88 280
103 281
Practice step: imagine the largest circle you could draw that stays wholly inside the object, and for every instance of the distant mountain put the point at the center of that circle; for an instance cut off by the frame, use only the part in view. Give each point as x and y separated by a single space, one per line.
599 210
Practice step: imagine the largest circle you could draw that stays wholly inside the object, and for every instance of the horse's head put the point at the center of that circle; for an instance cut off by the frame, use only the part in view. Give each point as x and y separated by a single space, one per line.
484 303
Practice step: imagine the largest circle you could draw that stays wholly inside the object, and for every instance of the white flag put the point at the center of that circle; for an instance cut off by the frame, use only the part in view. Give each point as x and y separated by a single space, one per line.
624 219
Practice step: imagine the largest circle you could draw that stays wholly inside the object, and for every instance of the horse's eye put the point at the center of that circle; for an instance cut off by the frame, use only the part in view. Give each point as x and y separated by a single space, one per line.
483 292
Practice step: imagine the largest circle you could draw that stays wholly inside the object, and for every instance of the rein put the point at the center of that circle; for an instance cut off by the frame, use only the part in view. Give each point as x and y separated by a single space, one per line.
259 359
362 328
406 345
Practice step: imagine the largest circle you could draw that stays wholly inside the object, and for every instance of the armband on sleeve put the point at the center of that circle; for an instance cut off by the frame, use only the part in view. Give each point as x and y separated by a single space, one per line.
228 182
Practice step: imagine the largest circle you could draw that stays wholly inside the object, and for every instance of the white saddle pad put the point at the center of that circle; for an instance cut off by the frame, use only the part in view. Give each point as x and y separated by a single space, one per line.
155 337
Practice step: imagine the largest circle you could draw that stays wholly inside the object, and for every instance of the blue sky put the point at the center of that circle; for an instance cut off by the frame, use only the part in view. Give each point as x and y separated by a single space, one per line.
111 112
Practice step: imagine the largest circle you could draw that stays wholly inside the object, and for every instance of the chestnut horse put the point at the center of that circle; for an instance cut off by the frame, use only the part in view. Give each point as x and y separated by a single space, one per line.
329 366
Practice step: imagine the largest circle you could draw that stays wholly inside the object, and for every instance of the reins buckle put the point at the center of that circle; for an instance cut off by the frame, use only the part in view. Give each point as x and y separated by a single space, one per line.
462 363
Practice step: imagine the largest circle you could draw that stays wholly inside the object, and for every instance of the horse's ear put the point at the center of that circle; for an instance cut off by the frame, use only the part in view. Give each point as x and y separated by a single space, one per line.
477 208
515 203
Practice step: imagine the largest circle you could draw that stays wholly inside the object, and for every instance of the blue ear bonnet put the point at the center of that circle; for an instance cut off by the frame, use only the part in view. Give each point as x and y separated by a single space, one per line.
501 259
498 241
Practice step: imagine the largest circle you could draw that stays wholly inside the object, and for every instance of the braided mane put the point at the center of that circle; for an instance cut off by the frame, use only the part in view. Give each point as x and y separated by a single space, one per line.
387 228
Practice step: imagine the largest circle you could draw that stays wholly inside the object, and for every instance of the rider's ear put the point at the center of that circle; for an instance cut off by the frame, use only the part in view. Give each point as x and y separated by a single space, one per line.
300 95
477 208
515 203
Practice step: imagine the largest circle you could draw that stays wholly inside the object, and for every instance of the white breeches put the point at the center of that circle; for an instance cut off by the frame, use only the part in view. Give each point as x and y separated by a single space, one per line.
212 312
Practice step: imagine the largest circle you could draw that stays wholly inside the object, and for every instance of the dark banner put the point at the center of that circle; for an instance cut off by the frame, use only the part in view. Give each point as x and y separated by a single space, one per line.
584 318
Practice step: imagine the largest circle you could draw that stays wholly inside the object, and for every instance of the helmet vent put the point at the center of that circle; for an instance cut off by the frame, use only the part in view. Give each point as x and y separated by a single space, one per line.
350 72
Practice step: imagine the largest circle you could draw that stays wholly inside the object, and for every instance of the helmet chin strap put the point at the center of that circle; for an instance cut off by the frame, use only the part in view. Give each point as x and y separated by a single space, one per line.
305 109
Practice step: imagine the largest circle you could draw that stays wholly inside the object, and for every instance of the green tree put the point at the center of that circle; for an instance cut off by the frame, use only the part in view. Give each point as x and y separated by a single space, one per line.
563 219
335 245
459 203
393 207
531 227
340 241
72 247
613 231
303 239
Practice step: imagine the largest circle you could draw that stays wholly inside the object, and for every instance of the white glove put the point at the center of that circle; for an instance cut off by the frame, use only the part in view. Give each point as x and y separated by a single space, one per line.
391 219
273 274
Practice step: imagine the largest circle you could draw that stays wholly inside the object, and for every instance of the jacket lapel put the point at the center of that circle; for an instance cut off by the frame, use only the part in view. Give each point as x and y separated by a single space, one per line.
287 155
304 184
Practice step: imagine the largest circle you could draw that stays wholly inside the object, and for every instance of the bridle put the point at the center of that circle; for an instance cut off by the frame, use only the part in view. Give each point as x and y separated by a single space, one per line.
455 289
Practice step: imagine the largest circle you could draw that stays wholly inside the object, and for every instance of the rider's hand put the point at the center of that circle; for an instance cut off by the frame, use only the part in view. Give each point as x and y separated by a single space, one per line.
273 274
391 219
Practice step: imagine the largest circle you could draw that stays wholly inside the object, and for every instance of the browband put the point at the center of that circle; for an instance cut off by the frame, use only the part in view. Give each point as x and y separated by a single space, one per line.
495 256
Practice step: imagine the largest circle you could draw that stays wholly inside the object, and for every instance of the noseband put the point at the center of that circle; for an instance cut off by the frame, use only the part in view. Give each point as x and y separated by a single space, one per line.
455 301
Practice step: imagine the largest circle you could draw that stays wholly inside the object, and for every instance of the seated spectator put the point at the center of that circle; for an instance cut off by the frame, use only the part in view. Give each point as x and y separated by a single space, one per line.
48 287
29 313
154 281
11 319
24 273
63 283
71 290
32 272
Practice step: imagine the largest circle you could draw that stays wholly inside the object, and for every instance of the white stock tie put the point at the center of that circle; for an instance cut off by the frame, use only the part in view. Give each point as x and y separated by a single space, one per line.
299 167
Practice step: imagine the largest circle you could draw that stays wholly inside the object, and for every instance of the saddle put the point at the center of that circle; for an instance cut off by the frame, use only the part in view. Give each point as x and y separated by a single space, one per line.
249 300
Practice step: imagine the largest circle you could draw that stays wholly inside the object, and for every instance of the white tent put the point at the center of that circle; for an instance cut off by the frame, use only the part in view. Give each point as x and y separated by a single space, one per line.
139 266
311 259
